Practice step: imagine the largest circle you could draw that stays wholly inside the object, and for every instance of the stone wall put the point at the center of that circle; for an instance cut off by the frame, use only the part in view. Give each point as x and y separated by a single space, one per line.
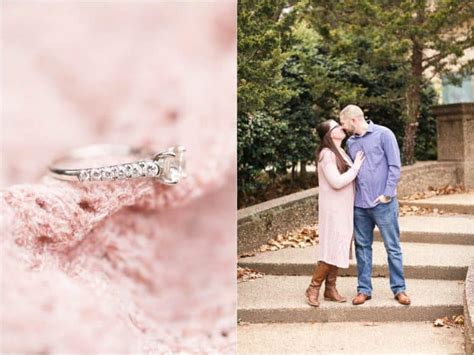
259 223
455 137
423 175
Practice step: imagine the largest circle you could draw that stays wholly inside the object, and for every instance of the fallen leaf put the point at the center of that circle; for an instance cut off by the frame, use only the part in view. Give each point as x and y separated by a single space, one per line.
456 321
246 274
247 255
432 191
301 238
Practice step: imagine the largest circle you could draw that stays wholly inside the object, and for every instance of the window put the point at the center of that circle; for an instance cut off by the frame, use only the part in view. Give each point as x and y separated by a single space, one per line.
454 94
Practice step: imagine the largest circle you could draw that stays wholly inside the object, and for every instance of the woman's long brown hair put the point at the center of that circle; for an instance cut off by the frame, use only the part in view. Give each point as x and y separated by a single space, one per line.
327 142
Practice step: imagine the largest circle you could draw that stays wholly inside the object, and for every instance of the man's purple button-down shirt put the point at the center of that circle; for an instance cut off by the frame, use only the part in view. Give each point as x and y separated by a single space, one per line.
380 171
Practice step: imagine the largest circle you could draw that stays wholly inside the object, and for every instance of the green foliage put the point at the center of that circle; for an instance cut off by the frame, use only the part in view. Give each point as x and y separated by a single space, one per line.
425 148
260 138
425 37
261 29
301 62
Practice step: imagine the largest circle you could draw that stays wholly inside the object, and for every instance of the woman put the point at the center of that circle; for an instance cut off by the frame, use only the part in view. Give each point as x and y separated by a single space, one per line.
336 174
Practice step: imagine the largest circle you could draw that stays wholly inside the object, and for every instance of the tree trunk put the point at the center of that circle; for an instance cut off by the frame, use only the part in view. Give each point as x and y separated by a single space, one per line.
413 95
413 111
293 173
242 196
303 173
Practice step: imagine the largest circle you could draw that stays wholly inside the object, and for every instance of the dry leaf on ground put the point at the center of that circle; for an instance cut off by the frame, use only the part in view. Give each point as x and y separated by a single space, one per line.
246 274
432 191
454 321
406 210
304 237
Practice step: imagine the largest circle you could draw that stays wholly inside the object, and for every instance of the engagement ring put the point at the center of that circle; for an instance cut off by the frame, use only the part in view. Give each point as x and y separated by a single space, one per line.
108 162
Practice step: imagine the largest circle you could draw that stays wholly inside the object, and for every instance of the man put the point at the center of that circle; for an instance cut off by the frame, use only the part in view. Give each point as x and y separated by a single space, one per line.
376 201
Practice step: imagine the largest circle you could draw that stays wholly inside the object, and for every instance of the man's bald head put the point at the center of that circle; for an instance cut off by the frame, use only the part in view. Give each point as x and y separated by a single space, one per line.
351 112
352 119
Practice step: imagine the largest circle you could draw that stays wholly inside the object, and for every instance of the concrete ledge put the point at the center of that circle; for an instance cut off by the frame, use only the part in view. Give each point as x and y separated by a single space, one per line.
451 208
431 237
280 299
259 223
420 261
325 338
469 309
381 271
302 315
460 203
435 229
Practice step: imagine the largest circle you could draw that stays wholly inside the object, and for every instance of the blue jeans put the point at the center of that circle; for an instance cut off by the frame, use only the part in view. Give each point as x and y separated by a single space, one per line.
385 217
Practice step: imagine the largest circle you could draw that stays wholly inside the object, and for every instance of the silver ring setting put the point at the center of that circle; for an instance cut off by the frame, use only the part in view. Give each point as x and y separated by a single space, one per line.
168 167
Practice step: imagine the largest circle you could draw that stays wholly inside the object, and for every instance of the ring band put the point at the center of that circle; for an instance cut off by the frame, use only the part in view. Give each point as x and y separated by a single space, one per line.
167 167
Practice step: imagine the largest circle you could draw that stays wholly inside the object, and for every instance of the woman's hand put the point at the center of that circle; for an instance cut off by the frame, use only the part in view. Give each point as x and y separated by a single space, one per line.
360 157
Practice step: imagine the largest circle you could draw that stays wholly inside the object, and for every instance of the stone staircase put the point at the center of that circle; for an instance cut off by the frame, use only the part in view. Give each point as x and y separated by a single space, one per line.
437 251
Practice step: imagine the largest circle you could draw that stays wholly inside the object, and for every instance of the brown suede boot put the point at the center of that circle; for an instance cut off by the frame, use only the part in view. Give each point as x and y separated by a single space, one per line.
319 275
330 290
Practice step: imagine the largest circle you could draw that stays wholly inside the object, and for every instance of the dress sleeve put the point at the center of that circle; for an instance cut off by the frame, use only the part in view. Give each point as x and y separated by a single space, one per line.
334 177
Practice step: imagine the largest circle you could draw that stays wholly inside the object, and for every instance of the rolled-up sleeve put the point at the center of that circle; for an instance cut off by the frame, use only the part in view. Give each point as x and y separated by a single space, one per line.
392 152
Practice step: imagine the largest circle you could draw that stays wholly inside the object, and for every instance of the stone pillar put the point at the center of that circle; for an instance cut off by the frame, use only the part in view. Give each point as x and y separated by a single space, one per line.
455 126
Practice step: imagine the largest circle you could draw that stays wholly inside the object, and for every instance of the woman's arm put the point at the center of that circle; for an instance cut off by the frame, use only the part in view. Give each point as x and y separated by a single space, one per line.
334 177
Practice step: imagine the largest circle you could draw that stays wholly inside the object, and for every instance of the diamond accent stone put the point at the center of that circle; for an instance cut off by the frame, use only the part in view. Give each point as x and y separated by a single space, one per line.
120 172
136 170
168 167
128 170
142 166
107 174
151 169
84 175
95 175
113 170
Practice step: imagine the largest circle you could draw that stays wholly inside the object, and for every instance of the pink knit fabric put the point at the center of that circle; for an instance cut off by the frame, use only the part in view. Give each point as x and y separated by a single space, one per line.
128 266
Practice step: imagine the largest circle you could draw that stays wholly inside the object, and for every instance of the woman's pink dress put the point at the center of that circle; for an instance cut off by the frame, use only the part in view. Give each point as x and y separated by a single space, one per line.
336 210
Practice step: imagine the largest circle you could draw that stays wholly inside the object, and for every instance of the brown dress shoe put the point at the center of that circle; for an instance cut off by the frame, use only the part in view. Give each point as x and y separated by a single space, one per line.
360 299
330 290
319 275
402 298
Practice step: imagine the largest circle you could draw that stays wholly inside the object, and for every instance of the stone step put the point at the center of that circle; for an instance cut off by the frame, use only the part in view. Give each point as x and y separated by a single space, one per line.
350 337
280 299
421 261
436 229
455 203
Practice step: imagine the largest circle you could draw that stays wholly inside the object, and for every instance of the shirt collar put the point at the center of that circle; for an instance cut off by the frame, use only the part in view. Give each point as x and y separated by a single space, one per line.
371 126
370 129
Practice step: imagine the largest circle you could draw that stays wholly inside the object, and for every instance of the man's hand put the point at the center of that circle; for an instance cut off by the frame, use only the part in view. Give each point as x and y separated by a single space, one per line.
383 199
